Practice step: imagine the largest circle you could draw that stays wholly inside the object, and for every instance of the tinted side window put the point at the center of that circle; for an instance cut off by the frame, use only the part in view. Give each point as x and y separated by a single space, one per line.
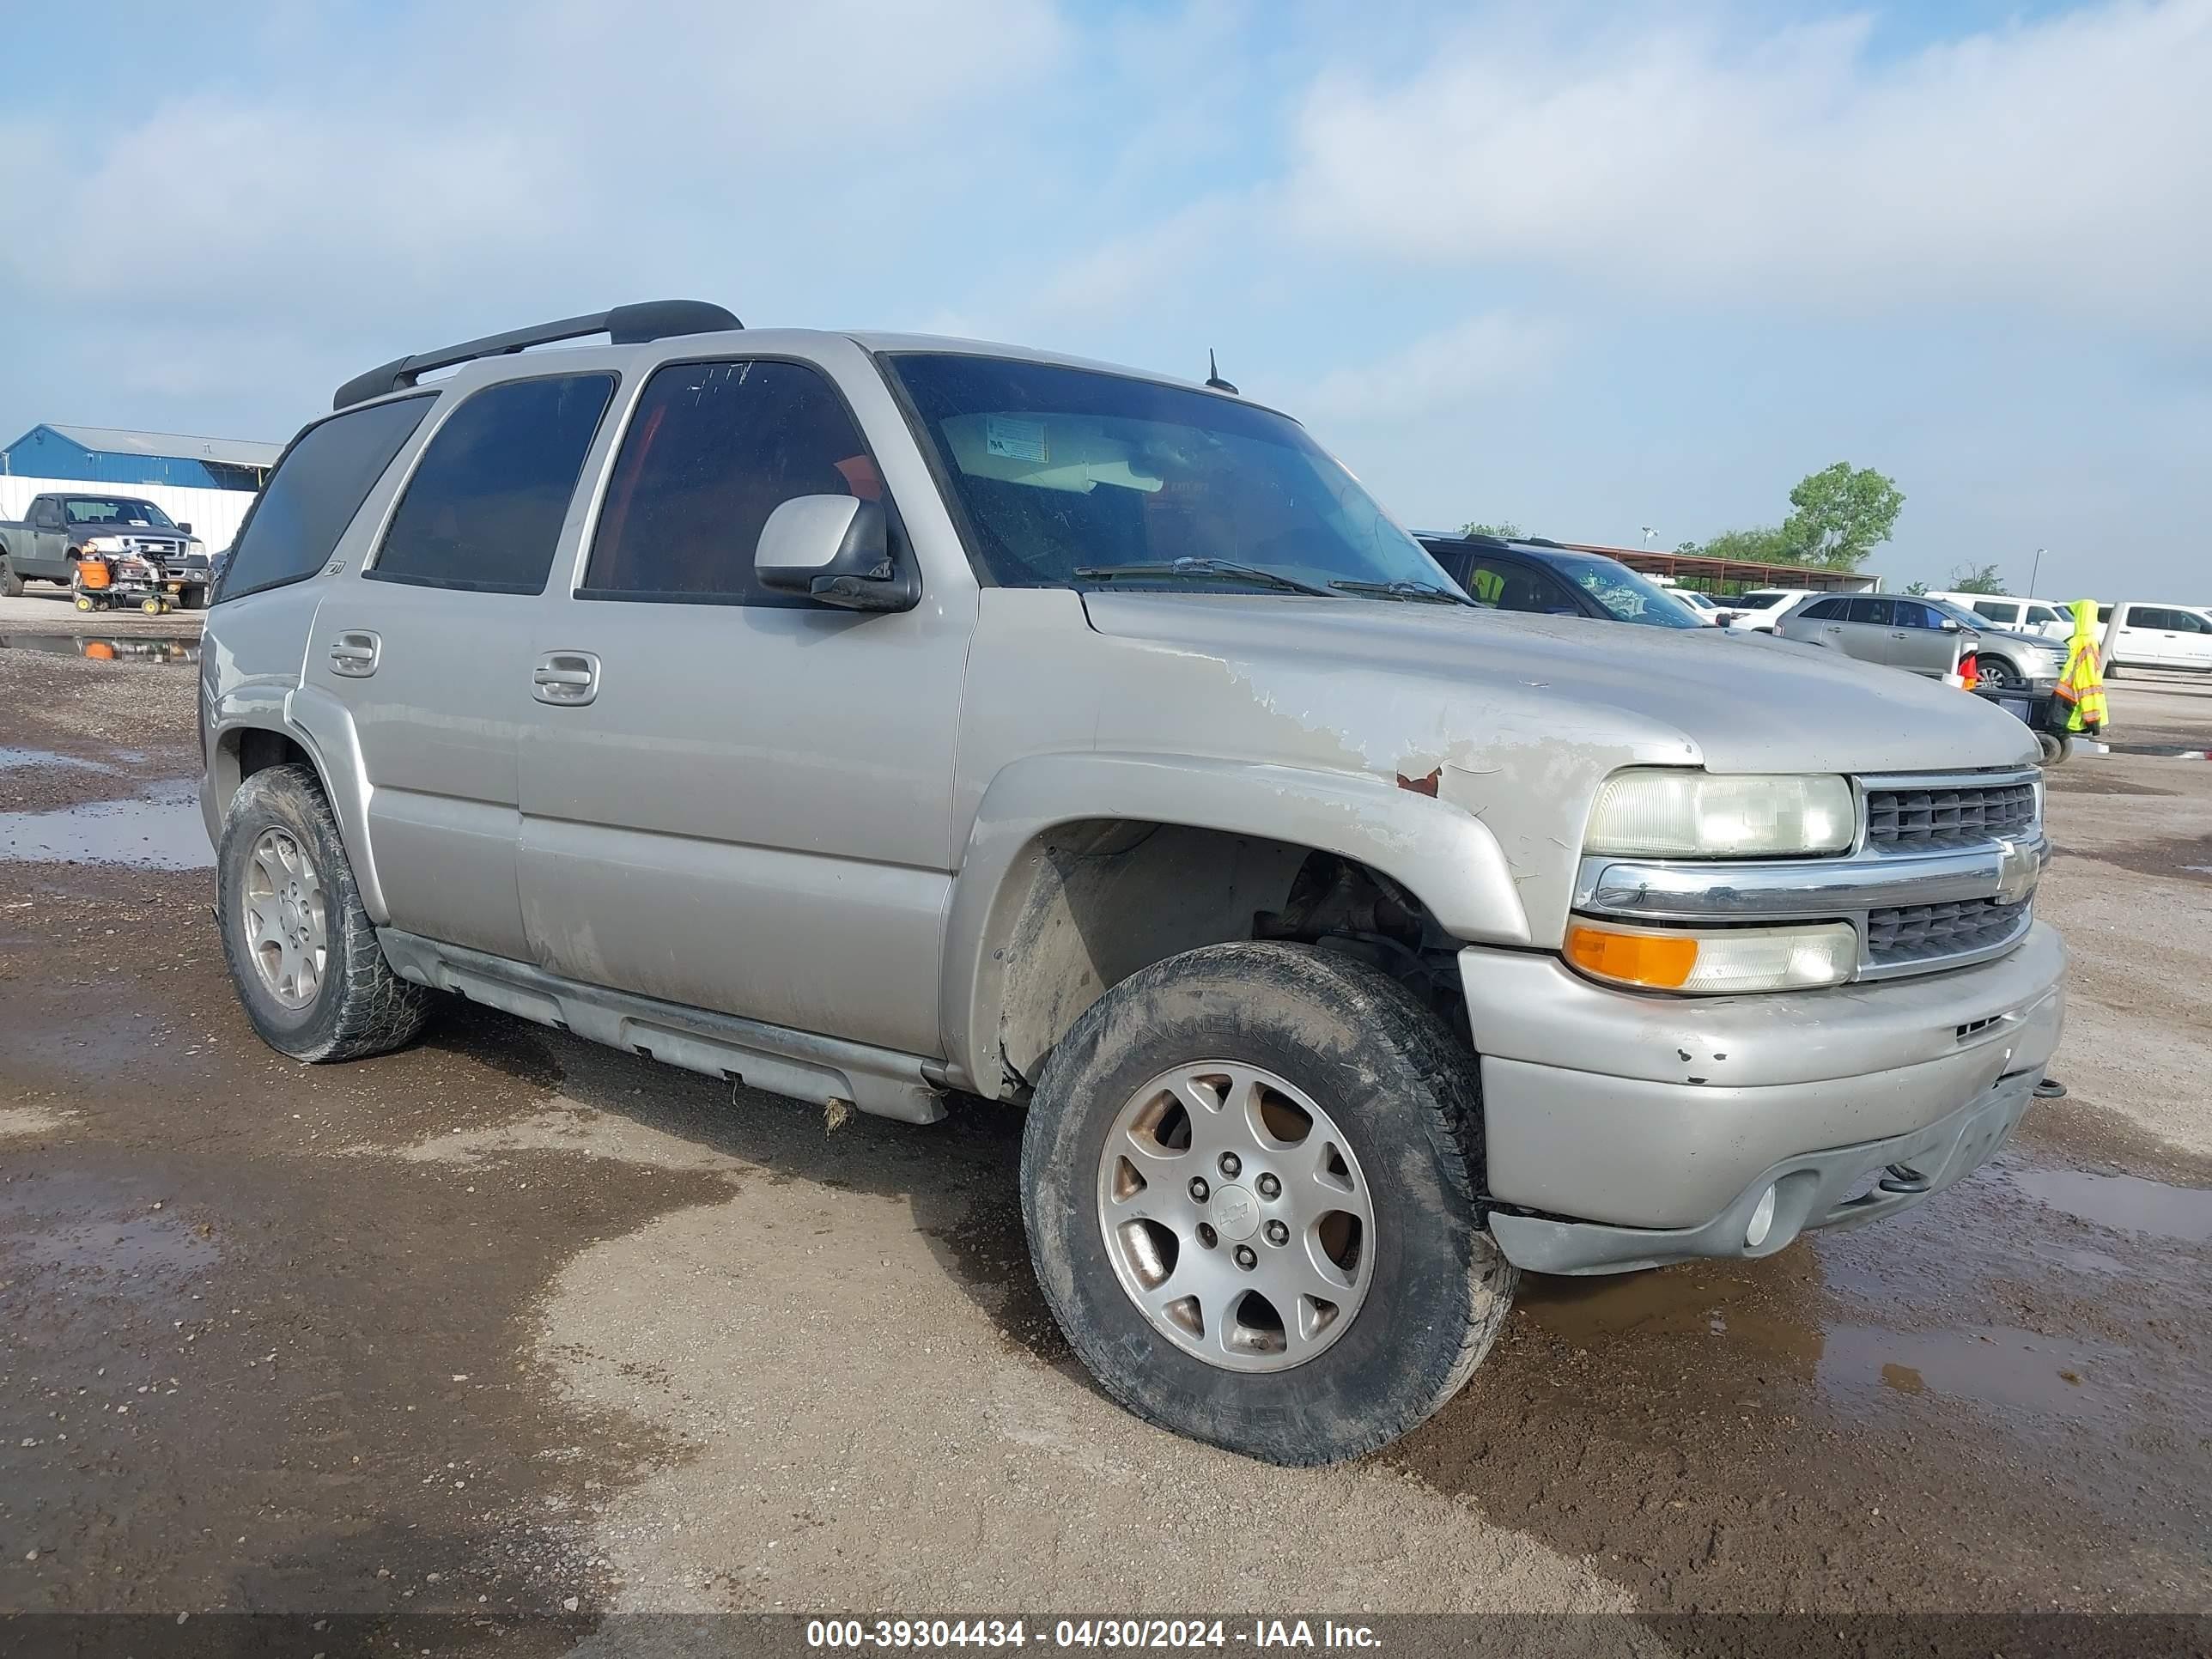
2188 622
1825 610
1513 586
485 505
1881 612
2104 613
2144 616
713 448
1997 610
2042 613
317 487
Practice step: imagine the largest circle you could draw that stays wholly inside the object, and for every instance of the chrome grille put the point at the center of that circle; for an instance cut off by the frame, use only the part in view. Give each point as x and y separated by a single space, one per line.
1948 814
1907 933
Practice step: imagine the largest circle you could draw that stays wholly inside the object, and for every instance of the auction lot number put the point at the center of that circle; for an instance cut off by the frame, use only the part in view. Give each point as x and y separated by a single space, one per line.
1112 1634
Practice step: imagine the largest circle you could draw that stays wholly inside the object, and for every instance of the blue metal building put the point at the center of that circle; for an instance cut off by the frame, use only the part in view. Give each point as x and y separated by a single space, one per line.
100 455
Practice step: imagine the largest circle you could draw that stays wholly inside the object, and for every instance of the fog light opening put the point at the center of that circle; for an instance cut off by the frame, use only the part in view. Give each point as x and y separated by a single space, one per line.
1762 1220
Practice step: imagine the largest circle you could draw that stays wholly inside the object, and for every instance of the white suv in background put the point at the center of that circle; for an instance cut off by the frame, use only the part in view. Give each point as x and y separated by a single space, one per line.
2021 615
2171 636
1764 607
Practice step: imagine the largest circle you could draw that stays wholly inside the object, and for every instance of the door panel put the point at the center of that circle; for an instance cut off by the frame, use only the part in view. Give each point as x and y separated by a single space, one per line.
1917 641
429 648
2135 640
752 813
1864 633
438 719
2192 639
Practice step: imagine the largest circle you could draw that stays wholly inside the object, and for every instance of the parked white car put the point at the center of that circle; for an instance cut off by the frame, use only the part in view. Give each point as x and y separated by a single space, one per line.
2021 615
2169 636
1760 609
1707 609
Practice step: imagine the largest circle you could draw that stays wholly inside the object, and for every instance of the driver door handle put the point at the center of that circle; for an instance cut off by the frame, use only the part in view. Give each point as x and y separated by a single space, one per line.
566 679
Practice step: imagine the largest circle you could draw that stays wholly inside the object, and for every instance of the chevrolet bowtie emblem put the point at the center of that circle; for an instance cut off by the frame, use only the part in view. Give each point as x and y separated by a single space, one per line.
2016 871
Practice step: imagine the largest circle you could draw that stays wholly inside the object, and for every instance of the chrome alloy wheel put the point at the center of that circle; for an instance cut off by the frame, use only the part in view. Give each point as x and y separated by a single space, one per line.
1236 1216
286 926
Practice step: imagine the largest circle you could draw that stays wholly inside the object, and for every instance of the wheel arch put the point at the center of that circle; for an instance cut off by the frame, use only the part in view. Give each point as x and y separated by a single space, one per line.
275 726
1082 869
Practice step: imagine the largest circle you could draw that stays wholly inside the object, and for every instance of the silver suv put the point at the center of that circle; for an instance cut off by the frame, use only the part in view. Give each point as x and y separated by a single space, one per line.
872 719
1926 636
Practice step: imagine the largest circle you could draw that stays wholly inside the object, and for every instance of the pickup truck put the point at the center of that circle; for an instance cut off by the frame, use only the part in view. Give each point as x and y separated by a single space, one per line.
60 527
873 719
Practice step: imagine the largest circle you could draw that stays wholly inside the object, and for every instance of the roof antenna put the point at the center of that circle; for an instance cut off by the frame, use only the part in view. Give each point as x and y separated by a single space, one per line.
1213 375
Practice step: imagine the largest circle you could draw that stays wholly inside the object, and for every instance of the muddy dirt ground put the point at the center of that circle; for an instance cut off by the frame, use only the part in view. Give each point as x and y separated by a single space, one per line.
508 1326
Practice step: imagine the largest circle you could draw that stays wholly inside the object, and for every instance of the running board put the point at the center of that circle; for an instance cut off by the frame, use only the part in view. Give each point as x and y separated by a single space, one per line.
822 1069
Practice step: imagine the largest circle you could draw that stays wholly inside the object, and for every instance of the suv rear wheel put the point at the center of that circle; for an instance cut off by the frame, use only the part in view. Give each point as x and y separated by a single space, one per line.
303 951
1249 1177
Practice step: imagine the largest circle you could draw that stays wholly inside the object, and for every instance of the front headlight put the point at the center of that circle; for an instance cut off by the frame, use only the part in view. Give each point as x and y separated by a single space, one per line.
103 544
1674 812
1716 960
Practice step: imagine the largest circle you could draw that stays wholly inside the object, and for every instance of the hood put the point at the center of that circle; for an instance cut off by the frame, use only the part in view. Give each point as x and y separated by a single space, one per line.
1732 700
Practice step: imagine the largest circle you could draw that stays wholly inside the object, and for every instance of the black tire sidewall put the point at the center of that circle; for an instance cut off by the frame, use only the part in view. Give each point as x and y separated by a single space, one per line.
1397 1357
277 798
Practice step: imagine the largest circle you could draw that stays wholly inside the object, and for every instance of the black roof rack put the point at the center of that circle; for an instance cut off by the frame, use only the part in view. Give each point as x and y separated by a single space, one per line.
630 325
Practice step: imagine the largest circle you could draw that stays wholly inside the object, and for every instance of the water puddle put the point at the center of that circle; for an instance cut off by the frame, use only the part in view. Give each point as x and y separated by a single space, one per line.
73 1226
14 757
110 648
2127 1202
2005 1370
1716 1302
160 829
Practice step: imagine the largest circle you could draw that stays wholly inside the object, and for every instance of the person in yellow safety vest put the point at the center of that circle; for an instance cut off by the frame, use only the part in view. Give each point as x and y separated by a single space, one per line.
2082 687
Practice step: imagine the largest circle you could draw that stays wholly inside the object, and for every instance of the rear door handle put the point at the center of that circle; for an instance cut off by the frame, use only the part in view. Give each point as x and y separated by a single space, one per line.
566 678
356 654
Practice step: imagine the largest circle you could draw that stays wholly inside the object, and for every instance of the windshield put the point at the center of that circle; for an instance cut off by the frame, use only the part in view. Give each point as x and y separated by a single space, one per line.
1065 470
1631 598
115 510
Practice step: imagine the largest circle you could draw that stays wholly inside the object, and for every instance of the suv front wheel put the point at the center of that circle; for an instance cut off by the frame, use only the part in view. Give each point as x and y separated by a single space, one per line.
1250 1175
303 951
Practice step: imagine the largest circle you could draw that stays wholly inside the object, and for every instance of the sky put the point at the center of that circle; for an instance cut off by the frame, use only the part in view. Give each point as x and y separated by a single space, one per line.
1589 266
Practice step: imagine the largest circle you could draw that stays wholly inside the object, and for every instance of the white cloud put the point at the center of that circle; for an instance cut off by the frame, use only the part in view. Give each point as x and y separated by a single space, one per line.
2065 163
535 147
1445 370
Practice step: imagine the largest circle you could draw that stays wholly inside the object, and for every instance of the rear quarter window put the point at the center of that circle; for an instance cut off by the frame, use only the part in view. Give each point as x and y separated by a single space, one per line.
319 485
485 508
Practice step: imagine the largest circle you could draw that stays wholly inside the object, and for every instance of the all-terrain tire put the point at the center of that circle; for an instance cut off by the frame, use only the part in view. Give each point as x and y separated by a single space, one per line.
361 1007
1398 1086
11 584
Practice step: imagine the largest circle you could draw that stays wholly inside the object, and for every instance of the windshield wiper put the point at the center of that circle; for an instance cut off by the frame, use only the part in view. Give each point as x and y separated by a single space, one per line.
1196 567
1421 592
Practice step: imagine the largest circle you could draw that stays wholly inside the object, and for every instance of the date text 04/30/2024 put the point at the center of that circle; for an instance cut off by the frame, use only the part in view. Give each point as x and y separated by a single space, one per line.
1120 1635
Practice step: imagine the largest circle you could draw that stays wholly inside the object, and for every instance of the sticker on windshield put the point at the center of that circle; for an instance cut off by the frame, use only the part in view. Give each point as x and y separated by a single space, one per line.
1018 440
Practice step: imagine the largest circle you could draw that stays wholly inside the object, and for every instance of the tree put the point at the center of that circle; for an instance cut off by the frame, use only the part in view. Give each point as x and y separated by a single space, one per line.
1761 545
1842 513
1505 530
1915 588
1976 579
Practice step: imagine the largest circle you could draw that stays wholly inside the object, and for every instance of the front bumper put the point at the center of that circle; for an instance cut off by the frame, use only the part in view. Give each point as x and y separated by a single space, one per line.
1627 1129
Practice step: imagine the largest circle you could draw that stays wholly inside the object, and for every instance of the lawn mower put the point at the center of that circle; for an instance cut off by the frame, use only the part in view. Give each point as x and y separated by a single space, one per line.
102 581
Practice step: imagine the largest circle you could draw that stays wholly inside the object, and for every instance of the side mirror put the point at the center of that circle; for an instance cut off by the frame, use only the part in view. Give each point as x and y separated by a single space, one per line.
837 550
1951 627
187 527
